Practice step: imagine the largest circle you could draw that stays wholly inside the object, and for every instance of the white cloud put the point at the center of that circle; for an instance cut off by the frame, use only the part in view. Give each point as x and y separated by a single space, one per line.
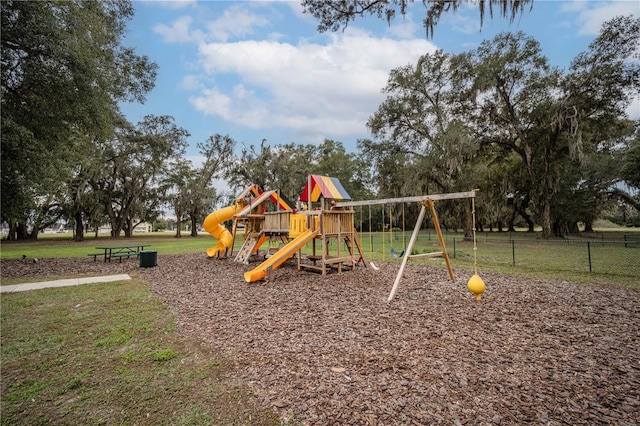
191 82
465 20
173 4
405 27
308 88
179 4
213 102
592 18
464 24
178 32
235 22
573 6
298 10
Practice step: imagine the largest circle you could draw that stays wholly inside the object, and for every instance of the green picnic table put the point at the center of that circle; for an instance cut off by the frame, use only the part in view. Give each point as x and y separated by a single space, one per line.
118 252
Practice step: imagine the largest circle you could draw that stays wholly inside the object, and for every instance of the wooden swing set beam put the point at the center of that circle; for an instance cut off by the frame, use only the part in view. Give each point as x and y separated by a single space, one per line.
414 199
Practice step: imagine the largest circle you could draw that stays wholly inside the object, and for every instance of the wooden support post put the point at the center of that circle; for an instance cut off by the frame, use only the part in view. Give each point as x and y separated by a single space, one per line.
408 251
436 223
428 202
269 271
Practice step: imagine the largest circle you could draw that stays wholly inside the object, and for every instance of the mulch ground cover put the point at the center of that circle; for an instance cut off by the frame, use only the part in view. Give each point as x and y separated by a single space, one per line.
328 350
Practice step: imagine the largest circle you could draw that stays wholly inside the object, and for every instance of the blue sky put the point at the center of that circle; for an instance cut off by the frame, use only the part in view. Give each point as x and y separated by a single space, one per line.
260 70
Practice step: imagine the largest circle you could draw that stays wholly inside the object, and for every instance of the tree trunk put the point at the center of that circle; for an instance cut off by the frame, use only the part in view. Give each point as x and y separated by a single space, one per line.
178 227
33 235
512 220
113 222
177 209
530 224
545 218
24 231
468 223
524 215
21 231
116 228
573 228
588 226
79 228
194 228
11 236
128 228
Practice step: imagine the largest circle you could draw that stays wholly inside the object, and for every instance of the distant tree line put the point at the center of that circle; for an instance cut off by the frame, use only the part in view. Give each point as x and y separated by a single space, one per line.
545 146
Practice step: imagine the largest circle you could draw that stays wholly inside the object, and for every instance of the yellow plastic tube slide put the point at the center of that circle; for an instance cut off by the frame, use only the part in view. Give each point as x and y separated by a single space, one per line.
213 225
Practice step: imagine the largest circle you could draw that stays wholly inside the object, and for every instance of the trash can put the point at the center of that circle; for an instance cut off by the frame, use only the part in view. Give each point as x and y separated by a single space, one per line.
148 258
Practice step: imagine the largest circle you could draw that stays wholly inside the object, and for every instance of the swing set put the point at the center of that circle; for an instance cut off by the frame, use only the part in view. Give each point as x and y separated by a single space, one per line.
393 252
475 284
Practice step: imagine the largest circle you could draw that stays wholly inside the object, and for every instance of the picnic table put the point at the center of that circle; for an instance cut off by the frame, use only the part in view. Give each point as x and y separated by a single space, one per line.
118 252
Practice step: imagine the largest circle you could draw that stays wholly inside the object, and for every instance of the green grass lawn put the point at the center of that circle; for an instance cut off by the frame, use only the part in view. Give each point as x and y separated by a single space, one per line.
604 260
62 245
110 354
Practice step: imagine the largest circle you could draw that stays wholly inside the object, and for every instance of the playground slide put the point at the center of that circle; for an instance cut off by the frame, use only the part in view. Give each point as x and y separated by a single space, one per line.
213 225
280 257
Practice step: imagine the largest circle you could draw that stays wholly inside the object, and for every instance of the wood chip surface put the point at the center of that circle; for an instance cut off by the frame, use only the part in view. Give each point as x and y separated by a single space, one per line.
329 350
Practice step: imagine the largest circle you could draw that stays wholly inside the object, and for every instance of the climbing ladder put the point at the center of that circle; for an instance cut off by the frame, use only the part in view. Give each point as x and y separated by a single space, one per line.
251 245
352 245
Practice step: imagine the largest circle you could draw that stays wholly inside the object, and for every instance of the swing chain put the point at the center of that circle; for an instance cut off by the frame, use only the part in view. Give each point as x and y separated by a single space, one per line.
475 247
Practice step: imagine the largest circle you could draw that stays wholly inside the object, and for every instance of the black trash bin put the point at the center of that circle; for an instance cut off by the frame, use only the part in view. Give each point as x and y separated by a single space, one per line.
148 258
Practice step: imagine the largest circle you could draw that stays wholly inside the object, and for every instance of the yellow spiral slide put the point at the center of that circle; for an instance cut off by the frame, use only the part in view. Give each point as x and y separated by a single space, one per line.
213 225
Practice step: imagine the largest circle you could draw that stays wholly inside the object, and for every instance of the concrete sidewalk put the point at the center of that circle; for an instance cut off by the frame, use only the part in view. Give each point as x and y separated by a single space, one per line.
63 283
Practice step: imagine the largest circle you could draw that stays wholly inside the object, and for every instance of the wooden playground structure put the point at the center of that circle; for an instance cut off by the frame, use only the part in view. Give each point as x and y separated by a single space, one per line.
323 217
317 221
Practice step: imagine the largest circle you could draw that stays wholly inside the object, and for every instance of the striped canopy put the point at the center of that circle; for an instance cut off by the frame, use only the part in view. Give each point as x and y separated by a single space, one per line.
330 188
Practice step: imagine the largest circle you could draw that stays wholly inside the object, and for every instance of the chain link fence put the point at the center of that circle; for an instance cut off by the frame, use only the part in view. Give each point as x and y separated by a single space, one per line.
600 254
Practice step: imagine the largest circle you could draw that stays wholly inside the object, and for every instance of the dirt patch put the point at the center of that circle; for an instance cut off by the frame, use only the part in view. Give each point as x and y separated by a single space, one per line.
331 350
